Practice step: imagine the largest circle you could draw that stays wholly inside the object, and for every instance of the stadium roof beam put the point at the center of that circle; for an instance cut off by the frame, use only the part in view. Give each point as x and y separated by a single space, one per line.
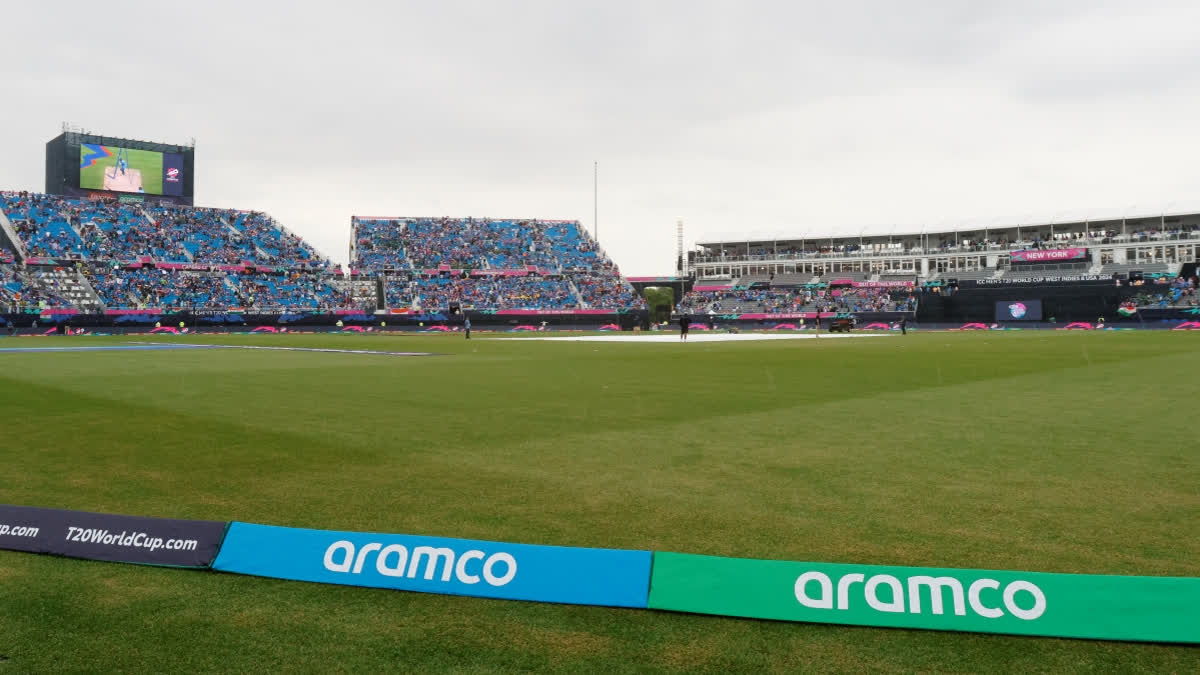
81 137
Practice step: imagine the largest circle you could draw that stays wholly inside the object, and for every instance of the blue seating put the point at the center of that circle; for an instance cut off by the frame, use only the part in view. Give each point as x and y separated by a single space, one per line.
61 227
560 250
438 293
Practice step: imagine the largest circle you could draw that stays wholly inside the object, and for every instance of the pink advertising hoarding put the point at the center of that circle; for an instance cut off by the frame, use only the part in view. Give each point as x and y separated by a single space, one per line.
1049 255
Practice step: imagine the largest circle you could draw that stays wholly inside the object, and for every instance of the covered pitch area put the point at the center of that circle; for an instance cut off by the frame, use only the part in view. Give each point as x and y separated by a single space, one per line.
704 337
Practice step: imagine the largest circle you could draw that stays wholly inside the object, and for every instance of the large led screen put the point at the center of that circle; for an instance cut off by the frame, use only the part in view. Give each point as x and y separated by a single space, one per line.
1019 310
116 169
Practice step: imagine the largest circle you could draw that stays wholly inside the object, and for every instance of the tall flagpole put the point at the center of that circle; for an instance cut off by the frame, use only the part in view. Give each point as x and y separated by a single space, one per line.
596 201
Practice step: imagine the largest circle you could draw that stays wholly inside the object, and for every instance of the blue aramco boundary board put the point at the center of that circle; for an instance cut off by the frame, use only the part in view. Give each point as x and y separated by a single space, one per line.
582 576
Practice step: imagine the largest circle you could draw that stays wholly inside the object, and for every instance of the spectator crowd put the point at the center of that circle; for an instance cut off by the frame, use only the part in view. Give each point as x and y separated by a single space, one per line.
788 300
1171 292
474 243
572 271
60 227
142 288
33 288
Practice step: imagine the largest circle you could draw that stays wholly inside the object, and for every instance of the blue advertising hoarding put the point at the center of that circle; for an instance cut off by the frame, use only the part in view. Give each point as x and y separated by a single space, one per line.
581 576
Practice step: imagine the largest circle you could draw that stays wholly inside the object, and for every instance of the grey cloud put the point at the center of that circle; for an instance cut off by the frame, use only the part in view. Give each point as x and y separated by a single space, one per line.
786 116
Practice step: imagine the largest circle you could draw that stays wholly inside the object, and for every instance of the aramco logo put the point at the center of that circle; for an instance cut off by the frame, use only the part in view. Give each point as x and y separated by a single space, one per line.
496 570
816 590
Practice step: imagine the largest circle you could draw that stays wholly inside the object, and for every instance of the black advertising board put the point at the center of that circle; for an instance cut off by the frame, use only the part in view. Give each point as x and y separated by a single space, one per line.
1046 280
115 538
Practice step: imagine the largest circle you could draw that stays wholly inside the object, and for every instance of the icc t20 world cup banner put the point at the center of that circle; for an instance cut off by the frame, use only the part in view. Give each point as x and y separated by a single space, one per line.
104 536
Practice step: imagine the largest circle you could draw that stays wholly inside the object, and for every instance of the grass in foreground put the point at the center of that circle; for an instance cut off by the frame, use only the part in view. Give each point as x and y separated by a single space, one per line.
1034 451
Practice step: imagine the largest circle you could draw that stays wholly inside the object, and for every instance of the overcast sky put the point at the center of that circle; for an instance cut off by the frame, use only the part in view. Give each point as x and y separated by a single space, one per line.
784 117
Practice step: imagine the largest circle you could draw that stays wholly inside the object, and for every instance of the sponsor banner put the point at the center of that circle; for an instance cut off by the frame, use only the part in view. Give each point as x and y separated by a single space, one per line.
780 315
709 289
647 280
513 272
1154 609
115 538
1038 255
134 312
41 260
195 267
529 269
580 576
894 283
556 312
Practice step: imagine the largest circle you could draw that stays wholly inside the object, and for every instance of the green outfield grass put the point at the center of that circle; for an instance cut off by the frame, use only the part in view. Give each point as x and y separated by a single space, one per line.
149 163
1042 451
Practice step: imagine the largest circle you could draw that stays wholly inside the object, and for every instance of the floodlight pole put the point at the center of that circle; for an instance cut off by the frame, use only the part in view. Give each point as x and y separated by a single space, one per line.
596 201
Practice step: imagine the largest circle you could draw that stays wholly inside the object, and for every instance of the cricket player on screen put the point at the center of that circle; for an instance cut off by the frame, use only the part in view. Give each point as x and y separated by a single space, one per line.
121 165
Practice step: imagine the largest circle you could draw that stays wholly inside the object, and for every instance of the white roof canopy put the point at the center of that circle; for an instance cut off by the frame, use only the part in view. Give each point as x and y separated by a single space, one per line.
1136 212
